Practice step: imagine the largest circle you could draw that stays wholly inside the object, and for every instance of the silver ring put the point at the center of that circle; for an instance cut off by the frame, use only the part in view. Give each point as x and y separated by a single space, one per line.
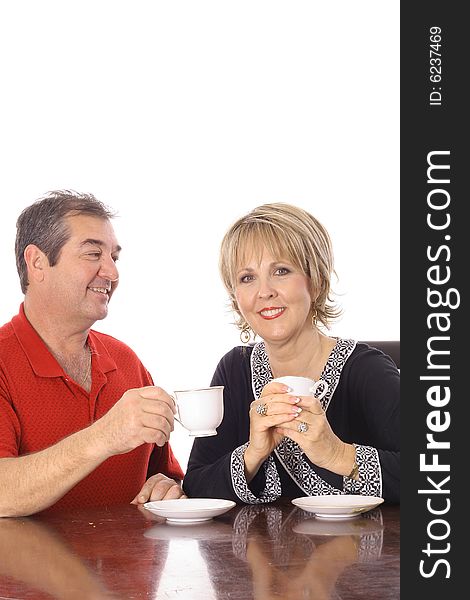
302 427
262 409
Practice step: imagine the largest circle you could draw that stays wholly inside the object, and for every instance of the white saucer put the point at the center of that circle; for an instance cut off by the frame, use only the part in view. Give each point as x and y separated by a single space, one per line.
337 506
189 510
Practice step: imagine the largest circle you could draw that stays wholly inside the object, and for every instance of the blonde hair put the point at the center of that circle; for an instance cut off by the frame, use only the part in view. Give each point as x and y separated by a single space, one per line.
289 233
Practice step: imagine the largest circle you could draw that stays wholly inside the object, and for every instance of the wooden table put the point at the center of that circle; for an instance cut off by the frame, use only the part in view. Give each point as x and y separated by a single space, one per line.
262 552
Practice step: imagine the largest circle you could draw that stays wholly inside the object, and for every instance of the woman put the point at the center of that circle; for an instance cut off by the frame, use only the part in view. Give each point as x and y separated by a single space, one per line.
276 264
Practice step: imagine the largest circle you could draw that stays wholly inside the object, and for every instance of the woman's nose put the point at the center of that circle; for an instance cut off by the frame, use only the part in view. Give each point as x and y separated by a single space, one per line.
266 291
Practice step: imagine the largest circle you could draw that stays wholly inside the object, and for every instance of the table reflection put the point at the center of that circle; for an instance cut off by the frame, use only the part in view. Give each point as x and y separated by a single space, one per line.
251 552
92 555
297 556
35 555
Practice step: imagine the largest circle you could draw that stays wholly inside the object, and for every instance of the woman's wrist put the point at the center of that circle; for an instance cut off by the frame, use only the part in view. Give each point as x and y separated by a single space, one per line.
342 461
348 466
253 461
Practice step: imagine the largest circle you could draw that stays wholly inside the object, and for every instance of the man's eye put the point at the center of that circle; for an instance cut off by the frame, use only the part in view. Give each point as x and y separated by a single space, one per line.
94 254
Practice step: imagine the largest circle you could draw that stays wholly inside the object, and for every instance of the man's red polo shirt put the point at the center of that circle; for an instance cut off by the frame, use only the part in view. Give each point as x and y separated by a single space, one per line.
40 405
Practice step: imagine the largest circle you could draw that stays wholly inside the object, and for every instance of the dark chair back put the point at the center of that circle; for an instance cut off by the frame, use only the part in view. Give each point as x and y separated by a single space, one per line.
390 347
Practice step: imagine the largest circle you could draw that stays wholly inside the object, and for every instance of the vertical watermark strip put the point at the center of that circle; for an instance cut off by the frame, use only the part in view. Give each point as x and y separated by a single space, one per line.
434 297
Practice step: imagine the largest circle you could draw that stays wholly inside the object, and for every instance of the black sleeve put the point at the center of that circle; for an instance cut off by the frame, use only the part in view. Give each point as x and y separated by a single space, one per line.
374 384
209 467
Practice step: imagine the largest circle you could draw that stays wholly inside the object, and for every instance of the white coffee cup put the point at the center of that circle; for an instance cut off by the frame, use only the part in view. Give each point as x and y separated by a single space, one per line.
200 411
304 386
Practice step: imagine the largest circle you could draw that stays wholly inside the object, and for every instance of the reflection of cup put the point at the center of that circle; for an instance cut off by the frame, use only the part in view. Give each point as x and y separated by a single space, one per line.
200 411
303 386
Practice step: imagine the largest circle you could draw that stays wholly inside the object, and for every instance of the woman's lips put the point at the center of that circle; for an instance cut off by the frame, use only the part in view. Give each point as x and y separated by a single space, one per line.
273 312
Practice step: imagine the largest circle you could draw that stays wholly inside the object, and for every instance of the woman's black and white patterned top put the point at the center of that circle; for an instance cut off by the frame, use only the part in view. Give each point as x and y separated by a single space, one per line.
362 407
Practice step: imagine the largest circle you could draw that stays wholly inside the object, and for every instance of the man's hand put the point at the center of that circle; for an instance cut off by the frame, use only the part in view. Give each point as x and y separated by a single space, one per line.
159 487
142 415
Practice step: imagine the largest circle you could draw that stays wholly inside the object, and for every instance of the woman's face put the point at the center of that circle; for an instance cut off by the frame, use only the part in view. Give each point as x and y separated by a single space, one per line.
273 296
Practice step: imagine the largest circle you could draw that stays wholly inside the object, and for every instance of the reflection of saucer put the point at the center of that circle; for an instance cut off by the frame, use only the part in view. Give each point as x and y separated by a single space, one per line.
201 531
359 526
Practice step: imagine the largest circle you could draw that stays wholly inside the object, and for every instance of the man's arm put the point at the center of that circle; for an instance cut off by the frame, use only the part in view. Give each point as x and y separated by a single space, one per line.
34 482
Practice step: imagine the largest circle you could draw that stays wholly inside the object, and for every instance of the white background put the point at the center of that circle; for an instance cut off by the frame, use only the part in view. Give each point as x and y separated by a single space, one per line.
184 115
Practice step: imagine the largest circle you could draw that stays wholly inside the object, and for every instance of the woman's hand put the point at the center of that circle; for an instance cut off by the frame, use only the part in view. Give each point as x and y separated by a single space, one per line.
311 430
274 407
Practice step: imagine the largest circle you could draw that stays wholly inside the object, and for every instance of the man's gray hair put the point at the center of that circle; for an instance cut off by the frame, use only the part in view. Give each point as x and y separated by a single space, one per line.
44 225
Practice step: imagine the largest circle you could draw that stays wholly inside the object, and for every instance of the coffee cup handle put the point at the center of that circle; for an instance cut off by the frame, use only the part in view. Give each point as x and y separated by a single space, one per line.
323 389
177 418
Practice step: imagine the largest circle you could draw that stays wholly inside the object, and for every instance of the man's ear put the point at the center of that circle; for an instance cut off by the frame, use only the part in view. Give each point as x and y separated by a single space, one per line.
36 261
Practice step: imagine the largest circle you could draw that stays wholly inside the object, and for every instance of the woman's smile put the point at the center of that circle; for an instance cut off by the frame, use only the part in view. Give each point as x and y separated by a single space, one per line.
273 312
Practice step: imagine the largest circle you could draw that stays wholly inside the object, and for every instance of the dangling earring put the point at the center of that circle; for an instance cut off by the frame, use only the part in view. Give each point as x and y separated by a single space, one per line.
314 317
245 333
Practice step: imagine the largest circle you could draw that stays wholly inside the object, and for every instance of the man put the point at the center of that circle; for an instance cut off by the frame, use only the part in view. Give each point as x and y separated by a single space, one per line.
79 414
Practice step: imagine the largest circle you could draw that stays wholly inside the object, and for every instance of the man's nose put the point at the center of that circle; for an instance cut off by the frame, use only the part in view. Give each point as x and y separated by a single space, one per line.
108 269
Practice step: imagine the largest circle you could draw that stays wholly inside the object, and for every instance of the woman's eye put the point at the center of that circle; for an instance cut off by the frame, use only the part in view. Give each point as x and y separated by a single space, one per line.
282 271
246 278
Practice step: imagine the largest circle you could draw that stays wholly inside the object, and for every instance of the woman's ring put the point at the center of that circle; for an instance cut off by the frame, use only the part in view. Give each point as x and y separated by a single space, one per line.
262 409
302 427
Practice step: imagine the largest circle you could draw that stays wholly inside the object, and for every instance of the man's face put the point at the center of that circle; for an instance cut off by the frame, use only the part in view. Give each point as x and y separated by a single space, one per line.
84 278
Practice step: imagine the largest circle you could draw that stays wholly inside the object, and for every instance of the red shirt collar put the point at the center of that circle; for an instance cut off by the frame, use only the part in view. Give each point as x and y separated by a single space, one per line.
42 361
